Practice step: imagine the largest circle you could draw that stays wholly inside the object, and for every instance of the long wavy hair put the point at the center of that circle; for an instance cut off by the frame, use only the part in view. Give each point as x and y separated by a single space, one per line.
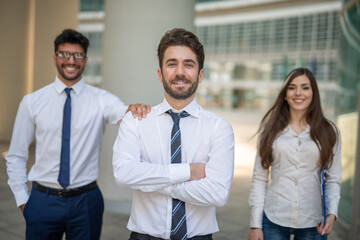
322 131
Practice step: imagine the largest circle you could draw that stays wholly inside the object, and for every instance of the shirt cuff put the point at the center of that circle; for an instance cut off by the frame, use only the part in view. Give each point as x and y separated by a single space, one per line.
21 198
179 172
256 217
332 207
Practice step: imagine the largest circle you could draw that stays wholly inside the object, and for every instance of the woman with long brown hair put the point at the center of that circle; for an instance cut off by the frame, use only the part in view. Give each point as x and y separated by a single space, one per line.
295 143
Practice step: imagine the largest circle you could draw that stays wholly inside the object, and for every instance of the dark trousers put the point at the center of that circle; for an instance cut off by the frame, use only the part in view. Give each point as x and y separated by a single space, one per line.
49 216
140 236
273 231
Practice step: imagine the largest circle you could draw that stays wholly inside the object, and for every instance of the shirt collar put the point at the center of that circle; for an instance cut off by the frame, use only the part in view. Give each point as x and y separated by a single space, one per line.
77 88
193 108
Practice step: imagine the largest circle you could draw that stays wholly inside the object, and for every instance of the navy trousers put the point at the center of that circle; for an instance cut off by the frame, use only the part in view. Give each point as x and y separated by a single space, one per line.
49 217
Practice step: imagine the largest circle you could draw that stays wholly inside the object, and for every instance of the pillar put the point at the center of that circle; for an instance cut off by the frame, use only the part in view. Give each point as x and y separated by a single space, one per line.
28 29
133 30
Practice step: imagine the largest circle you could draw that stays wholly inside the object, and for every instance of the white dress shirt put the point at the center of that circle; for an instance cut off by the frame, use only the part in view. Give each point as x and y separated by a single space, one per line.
40 116
142 161
293 197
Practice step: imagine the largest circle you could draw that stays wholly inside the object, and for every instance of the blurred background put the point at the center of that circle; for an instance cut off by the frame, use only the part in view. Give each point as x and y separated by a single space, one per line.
250 46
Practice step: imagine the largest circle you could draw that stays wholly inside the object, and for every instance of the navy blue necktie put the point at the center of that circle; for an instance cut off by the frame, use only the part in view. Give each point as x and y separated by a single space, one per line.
178 222
64 173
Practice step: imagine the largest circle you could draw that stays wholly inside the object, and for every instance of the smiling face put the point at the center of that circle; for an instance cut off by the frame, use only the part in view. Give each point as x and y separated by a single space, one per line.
69 71
299 95
180 74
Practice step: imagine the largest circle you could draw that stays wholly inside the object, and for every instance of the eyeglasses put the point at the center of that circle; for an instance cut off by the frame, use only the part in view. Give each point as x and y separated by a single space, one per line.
64 55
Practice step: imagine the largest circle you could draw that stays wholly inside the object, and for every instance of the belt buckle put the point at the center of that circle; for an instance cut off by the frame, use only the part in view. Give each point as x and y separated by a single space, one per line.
62 193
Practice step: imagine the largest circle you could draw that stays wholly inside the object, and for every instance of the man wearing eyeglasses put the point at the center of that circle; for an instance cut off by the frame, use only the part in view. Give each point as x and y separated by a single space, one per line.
67 119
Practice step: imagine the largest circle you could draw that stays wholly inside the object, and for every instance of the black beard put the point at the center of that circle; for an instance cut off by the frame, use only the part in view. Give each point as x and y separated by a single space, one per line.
180 94
61 72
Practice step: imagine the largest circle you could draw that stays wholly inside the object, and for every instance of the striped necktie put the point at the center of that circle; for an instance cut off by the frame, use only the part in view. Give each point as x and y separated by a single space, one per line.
178 222
64 173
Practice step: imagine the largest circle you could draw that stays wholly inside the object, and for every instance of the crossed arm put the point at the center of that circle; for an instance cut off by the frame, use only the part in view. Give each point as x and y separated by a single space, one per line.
196 183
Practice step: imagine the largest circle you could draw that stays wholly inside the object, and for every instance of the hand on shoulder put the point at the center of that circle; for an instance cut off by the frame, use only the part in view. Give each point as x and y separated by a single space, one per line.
138 110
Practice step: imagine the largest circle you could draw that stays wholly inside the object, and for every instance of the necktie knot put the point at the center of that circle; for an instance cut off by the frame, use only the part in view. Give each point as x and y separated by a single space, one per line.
67 90
176 116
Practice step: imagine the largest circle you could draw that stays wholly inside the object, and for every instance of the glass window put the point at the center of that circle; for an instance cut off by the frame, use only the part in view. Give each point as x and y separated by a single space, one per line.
205 36
96 42
211 39
228 40
216 38
279 34
253 36
93 67
307 32
200 34
322 27
222 33
241 38
335 30
266 30
91 5
293 33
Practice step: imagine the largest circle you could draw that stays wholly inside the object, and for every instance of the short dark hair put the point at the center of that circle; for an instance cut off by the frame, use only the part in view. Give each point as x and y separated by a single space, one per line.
71 36
181 37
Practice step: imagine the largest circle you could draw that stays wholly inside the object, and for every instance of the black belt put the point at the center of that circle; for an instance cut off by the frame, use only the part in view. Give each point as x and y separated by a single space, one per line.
140 236
71 192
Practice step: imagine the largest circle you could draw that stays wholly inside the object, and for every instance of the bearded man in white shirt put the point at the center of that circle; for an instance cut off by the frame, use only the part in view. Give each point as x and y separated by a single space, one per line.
176 199
67 119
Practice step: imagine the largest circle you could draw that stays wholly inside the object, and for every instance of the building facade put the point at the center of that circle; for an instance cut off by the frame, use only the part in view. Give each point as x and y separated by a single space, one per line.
252 45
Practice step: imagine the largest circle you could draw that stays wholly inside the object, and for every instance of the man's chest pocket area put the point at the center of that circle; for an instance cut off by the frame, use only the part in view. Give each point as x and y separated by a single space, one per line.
196 149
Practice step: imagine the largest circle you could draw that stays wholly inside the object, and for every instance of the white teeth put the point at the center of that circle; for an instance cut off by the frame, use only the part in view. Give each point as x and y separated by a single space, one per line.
298 100
180 82
70 68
